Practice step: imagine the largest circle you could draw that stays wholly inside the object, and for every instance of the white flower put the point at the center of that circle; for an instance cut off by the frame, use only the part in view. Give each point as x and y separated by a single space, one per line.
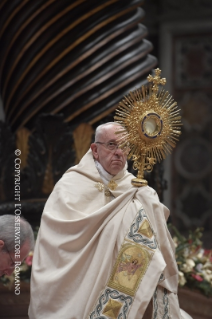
186 252
200 253
207 265
188 266
207 274
199 267
182 279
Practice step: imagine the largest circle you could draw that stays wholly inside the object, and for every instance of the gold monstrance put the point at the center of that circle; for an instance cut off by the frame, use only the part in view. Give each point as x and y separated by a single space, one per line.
152 123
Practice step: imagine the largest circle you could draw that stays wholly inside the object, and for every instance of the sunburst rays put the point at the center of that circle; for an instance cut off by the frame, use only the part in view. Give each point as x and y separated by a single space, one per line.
151 123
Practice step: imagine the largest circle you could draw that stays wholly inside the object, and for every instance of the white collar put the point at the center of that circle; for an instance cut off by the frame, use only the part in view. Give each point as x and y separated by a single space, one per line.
105 176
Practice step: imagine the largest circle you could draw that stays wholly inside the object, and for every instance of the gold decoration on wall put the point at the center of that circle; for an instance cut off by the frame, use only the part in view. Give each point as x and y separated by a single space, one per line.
151 125
82 139
22 137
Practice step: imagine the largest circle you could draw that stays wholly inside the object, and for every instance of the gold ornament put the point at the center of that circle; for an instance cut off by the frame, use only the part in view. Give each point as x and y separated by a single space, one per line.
99 186
107 192
112 185
112 309
151 124
145 229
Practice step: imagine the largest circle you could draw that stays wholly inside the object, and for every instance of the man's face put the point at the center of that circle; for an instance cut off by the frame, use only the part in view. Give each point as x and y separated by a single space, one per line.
8 259
112 161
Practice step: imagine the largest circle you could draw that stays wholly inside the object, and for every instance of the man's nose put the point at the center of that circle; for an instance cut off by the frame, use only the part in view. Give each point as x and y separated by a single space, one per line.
118 151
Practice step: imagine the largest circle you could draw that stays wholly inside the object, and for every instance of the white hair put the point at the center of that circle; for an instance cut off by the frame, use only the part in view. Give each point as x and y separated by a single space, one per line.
7 232
100 128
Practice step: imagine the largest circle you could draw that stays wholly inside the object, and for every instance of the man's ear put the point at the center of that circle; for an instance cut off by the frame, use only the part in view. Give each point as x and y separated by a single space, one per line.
94 151
1 244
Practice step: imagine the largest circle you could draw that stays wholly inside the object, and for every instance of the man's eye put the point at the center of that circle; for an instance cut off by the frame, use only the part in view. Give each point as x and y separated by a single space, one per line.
111 144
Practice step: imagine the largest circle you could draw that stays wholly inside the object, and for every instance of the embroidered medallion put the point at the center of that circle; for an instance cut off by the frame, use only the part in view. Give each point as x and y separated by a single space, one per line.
130 267
112 185
99 186
107 192
112 309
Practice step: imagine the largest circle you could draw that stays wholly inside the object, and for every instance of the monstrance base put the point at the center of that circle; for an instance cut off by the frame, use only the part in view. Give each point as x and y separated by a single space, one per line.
138 182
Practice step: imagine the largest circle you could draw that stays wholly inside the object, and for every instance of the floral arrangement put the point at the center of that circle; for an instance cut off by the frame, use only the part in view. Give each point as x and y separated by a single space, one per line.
194 262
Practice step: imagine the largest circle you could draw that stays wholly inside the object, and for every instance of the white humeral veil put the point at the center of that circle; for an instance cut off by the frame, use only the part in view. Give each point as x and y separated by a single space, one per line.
81 233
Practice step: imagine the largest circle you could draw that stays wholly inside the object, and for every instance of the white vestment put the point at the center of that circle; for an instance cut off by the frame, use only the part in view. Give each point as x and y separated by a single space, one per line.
81 234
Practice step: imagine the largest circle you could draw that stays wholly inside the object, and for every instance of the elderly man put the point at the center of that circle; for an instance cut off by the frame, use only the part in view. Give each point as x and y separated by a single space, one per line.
23 241
103 248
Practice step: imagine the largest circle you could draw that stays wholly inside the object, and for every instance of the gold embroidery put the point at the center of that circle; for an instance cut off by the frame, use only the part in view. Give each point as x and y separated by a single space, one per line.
145 229
112 309
107 192
112 185
99 186
130 267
